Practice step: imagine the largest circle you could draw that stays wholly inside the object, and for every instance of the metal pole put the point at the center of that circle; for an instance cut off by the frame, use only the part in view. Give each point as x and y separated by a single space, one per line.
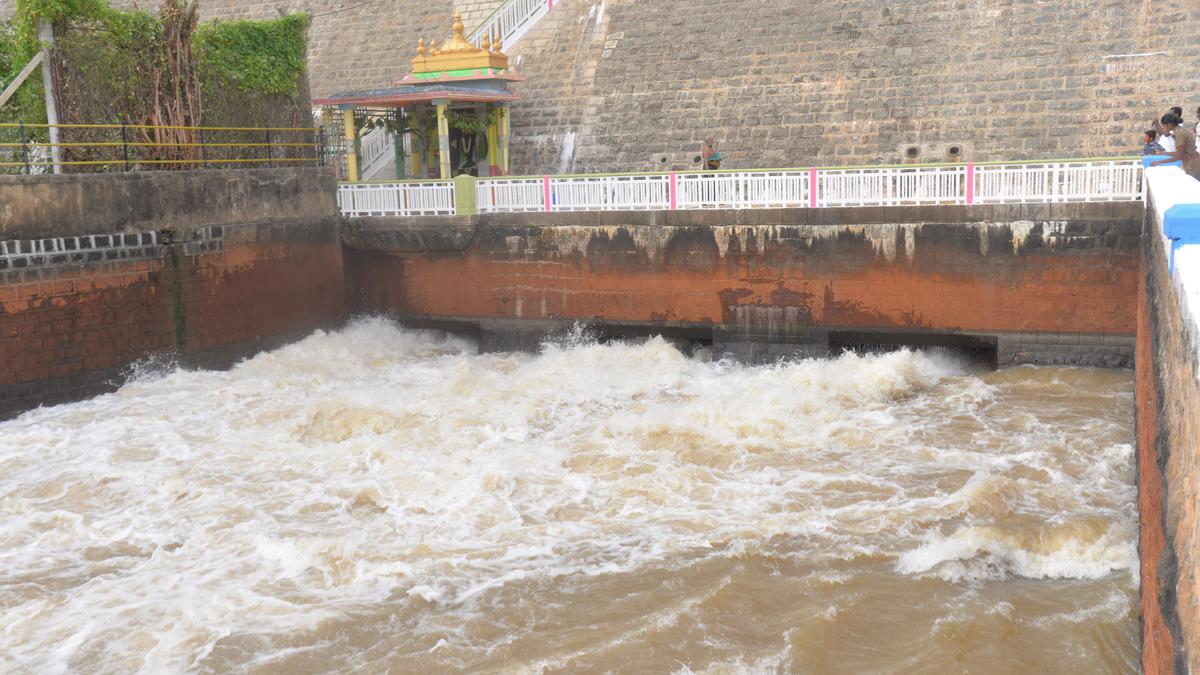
124 146
24 148
320 149
46 35
270 156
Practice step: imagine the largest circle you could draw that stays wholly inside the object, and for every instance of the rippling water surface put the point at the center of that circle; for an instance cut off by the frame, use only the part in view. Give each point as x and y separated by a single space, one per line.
379 499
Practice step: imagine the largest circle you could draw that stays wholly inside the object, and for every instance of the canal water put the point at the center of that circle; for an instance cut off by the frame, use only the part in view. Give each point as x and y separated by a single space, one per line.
385 500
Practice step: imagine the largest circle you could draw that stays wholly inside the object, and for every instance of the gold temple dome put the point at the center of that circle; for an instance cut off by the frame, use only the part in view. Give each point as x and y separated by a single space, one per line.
457 54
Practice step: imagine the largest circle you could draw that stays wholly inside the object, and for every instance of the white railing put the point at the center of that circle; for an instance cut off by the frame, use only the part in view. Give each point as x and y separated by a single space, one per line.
433 198
892 186
377 147
964 184
1119 180
748 190
511 21
510 194
610 193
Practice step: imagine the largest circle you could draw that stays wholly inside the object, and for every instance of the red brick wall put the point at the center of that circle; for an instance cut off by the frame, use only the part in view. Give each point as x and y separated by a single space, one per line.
1158 640
1168 431
1068 286
69 330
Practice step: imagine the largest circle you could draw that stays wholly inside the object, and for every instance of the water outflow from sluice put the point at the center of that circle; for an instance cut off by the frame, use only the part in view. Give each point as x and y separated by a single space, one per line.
383 499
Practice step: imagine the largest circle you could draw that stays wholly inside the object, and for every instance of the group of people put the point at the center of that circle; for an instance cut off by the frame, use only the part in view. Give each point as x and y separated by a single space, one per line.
1169 136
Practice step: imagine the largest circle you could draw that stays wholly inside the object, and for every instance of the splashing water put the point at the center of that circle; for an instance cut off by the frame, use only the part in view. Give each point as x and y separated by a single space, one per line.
379 498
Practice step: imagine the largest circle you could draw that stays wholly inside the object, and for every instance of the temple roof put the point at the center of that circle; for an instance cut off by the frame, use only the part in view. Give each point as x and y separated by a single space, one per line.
418 93
458 72
458 54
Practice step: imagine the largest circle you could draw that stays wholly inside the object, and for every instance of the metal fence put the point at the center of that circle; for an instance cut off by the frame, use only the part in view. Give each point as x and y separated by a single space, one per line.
141 147
964 184
427 198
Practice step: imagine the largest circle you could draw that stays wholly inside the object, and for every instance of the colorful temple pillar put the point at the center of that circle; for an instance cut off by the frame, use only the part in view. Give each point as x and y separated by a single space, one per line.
351 135
493 142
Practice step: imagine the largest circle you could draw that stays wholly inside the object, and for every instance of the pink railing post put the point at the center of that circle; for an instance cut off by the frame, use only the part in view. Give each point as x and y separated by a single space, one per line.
673 192
546 192
812 188
970 182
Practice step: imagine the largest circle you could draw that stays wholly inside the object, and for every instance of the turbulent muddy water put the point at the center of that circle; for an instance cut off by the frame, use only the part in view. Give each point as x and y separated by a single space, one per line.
383 500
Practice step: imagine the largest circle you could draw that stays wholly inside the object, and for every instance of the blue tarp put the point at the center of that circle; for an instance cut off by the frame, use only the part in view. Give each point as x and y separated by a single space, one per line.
1146 159
1182 223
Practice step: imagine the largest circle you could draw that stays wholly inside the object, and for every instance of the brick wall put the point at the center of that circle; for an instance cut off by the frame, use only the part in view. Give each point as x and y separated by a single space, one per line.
77 308
847 82
1049 283
1168 429
352 44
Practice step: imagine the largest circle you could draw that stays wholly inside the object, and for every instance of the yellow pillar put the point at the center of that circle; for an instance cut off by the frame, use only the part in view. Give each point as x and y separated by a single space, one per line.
418 121
493 148
443 142
351 153
503 140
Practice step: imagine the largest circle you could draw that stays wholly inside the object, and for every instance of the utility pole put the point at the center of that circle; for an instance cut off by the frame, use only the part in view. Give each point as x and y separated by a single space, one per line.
46 36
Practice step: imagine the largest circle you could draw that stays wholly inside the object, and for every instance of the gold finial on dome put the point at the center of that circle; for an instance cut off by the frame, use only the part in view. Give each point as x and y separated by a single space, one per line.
457 55
420 48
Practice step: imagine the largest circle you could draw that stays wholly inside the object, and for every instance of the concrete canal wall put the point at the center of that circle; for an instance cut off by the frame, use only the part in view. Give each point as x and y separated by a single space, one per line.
1168 432
100 271
1048 283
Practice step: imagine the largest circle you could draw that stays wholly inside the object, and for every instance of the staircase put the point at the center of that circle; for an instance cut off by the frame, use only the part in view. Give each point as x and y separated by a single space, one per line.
511 21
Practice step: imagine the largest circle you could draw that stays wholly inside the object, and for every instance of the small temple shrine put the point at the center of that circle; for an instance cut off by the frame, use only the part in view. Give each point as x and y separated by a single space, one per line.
448 117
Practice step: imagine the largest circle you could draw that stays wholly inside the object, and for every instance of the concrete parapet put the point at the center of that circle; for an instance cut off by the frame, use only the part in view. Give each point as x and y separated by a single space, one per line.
93 203
1049 283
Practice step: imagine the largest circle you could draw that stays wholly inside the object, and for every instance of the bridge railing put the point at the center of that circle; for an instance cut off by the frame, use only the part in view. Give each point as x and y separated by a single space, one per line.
426 198
964 184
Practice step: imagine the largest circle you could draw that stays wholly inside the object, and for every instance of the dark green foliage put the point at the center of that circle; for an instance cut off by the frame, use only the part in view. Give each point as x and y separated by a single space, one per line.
257 57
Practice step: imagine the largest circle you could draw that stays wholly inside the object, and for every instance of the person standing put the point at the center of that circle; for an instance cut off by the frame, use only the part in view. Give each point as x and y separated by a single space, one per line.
1185 146
712 158
1165 139
1150 146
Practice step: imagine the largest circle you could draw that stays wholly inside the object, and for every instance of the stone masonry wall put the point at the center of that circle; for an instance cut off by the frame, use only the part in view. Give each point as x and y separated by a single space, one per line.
620 85
79 305
1168 428
352 44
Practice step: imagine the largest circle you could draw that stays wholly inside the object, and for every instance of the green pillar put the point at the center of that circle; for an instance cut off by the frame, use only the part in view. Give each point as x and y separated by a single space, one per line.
464 195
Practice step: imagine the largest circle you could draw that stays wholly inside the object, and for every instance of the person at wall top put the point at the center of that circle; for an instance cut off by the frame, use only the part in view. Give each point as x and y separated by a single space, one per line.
1150 145
1165 139
712 158
1185 146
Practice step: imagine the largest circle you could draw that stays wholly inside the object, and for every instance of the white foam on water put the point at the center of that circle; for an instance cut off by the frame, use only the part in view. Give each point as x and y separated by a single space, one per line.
141 529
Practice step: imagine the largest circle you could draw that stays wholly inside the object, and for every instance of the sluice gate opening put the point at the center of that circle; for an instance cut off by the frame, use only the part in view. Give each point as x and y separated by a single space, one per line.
978 350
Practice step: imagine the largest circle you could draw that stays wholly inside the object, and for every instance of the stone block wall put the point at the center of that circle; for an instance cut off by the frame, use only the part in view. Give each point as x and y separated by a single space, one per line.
352 44
624 84
81 303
